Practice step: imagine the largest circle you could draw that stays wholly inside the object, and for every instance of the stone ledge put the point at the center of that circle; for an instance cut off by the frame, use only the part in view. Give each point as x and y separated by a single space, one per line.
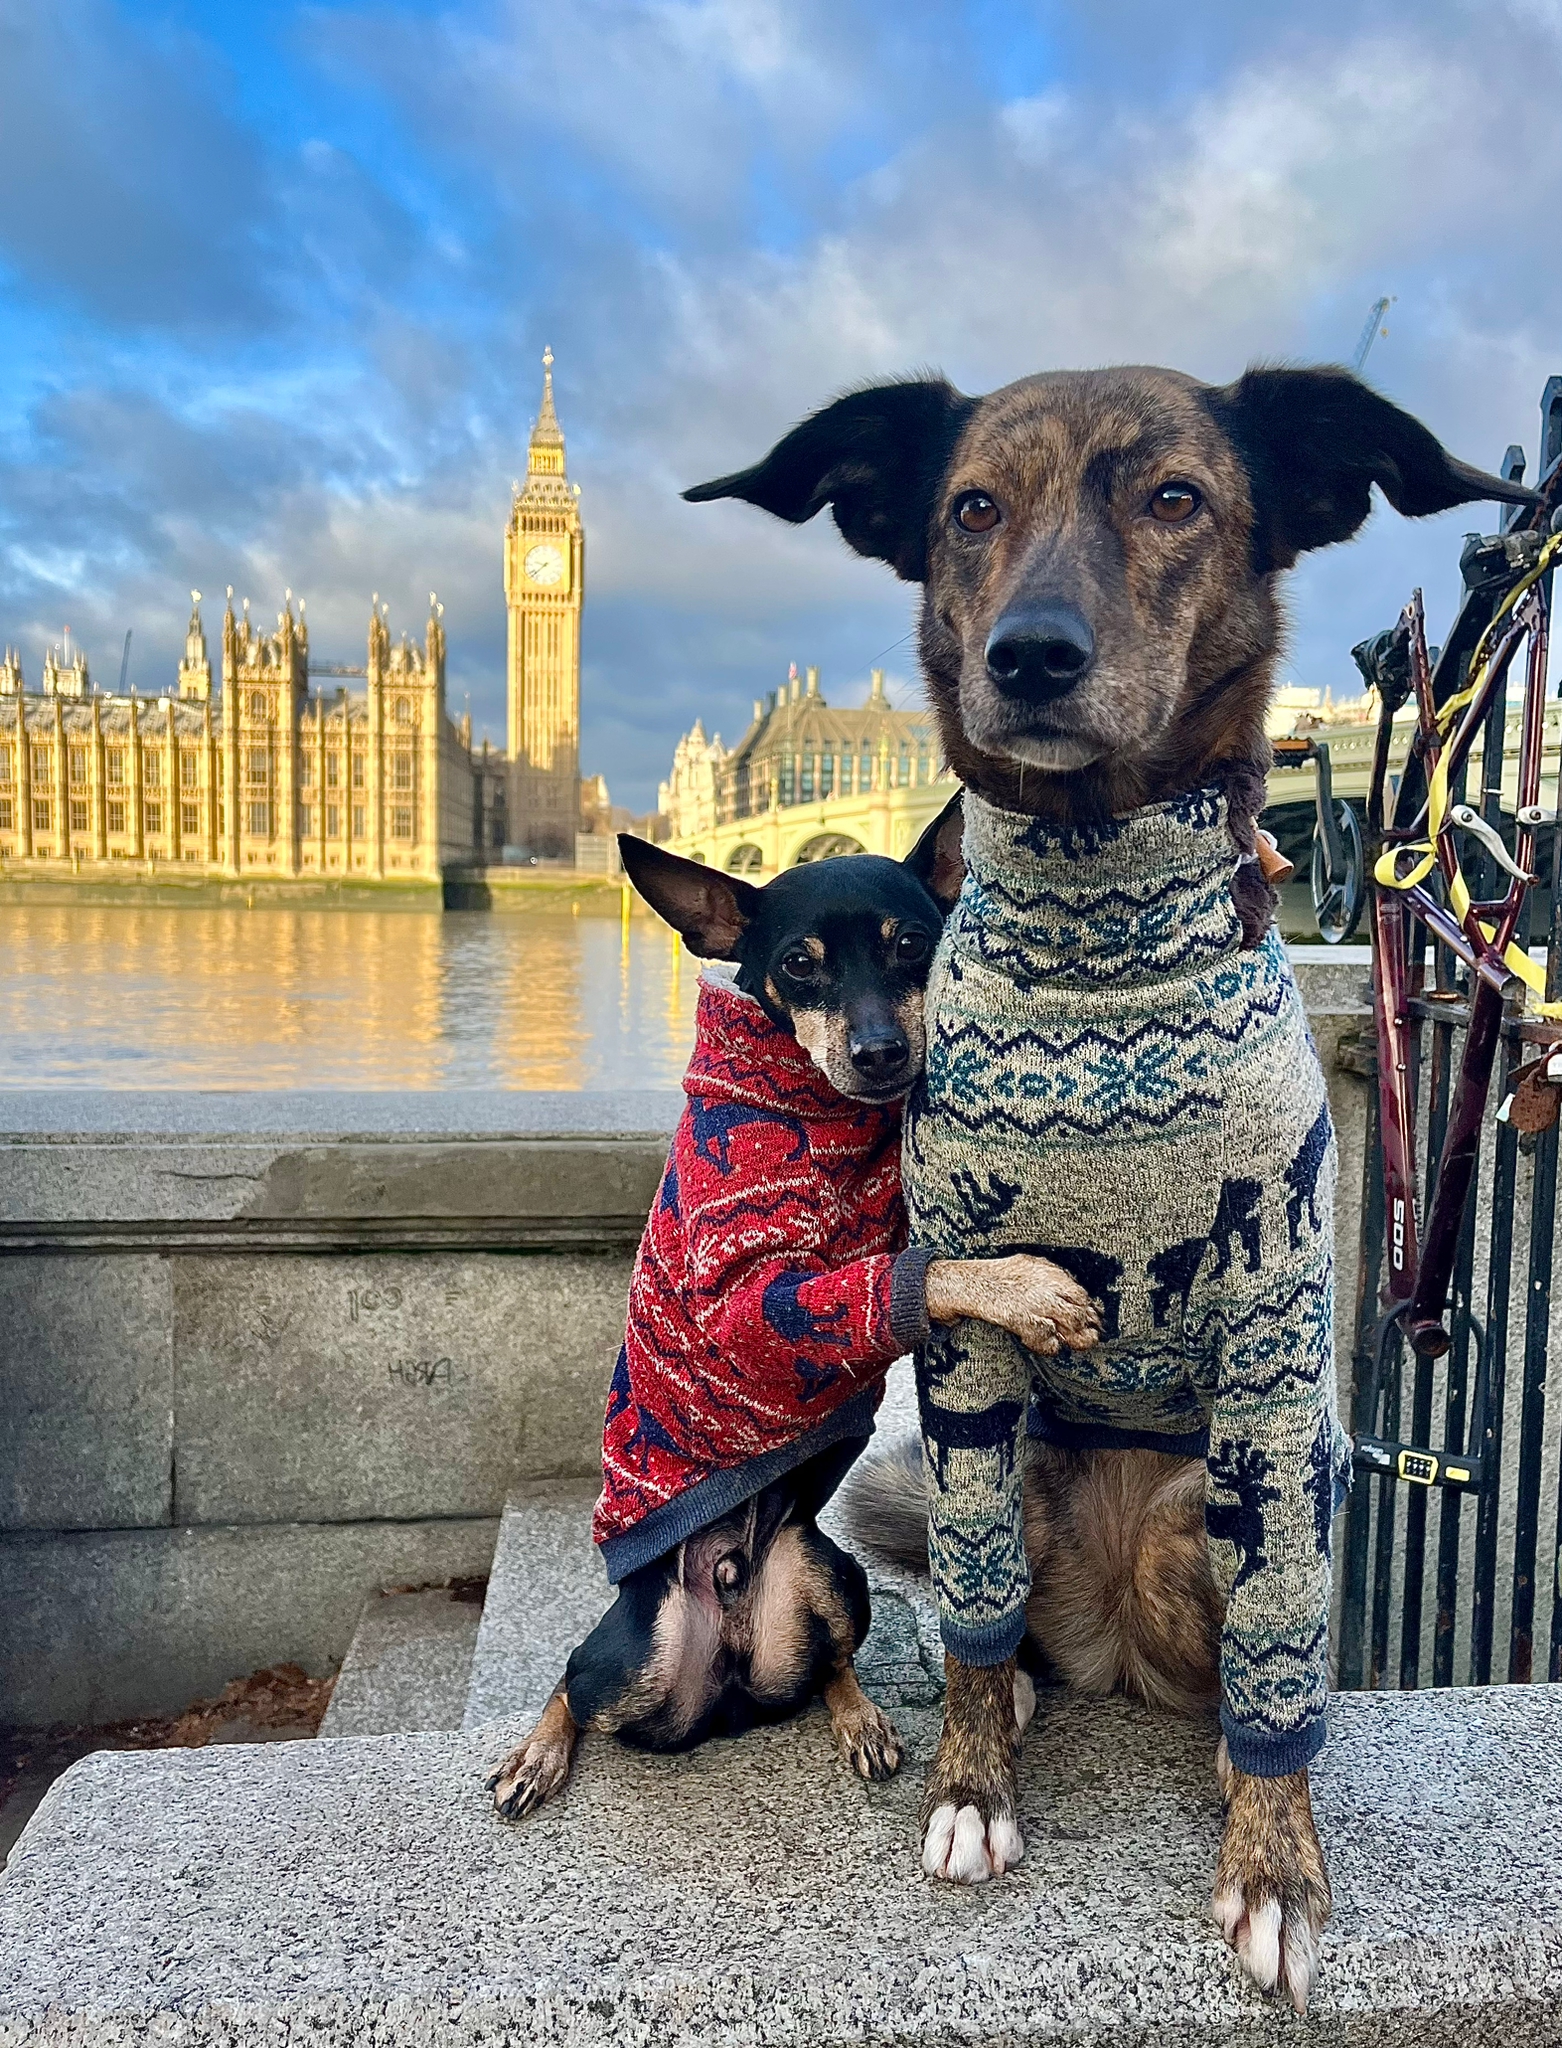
753 1893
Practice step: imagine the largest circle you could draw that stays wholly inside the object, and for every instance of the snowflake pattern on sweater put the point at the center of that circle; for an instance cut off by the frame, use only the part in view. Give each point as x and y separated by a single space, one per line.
760 1312
1114 1084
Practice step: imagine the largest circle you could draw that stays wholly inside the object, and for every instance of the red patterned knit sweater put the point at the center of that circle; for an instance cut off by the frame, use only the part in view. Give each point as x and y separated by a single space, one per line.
767 1297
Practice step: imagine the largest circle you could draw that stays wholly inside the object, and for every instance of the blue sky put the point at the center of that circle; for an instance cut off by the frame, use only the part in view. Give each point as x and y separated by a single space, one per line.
275 279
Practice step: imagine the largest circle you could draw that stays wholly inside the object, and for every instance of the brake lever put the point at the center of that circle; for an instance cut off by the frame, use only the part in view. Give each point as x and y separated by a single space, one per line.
1470 820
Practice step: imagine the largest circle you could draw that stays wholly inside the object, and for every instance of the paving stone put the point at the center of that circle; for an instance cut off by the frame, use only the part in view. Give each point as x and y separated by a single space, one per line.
547 1590
409 1663
755 1893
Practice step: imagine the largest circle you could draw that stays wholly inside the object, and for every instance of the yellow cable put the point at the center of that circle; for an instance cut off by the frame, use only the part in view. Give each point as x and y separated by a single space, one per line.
1385 870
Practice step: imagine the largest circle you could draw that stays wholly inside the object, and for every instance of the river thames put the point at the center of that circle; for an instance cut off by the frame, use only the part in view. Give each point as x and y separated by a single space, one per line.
123 997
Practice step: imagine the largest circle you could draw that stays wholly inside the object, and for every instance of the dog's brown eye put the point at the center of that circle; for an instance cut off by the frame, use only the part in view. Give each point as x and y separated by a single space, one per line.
911 947
976 512
798 965
1175 502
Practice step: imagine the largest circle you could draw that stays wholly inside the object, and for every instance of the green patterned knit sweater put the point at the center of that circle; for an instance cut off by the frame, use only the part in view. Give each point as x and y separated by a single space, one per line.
1113 1083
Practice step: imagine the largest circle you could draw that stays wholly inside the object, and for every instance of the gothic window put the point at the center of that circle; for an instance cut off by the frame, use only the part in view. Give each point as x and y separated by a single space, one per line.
43 766
189 769
806 790
358 772
306 772
6 824
865 770
827 775
403 711
333 770
78 814
116 817
190 820
257 704
78 767
788 778
258 764
258 818
333 821
360 821
43 814
115 761
306 821
402 770
401 822
152 771
5 764
154 818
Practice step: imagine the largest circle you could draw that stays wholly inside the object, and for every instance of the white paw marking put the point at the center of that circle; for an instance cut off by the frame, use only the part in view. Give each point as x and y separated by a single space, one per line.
1005 1842
1024 1700
960 1846
1227 1910
969 1862
1259 1948
1301 1962
935 1843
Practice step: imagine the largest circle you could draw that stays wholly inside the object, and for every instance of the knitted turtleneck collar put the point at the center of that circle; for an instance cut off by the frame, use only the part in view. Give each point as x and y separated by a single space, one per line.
1135 900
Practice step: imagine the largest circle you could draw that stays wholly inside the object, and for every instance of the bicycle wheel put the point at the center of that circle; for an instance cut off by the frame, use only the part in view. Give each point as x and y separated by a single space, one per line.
1338 907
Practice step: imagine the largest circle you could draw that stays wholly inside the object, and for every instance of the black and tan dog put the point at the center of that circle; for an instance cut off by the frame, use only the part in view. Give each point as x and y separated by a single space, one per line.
734 1608
1099 554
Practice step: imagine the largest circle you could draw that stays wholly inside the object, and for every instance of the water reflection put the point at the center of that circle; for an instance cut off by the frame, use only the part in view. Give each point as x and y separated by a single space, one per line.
264 998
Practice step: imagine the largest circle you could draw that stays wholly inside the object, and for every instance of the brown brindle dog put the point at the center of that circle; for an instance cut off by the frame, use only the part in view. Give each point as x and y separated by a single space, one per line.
1098 552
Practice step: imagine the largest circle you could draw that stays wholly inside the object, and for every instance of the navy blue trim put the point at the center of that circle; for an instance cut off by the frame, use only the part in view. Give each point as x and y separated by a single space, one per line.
1098 1436
667 1526
908 1323
1272 1756
989 1644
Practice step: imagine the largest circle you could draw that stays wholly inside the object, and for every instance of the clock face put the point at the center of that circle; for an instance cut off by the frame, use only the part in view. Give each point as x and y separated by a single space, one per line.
545 565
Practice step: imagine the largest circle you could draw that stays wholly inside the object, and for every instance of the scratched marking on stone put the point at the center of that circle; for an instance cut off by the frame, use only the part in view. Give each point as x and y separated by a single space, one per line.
426 1372
364 1301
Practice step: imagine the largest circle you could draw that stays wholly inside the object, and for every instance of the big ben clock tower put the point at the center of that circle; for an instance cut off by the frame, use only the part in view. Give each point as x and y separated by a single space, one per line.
544 582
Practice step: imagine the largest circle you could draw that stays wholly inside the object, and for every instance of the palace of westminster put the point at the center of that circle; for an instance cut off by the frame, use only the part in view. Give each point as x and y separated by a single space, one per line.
285 776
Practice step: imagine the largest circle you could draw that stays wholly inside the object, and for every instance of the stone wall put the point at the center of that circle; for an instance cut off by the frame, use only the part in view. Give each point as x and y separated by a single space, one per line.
263 1353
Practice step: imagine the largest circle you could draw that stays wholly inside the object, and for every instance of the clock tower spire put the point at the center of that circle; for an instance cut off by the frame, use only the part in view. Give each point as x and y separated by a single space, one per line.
544 582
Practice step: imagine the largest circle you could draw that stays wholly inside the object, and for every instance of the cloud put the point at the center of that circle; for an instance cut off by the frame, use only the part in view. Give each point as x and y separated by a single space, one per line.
303 350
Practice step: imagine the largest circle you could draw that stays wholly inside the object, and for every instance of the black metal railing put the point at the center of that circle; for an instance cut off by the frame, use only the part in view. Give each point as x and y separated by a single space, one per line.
1495 1564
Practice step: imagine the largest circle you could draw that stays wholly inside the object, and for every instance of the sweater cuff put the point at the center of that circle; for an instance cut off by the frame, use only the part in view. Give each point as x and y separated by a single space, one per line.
908 1323
1262 1754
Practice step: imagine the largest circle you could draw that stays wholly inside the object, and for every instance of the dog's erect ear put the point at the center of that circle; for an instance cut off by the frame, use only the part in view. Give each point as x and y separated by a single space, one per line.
937 860
1315 441
875 457
710 910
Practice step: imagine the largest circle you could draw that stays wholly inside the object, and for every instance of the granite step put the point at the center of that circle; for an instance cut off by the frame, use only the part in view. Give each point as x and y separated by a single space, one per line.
409 1663
756 1893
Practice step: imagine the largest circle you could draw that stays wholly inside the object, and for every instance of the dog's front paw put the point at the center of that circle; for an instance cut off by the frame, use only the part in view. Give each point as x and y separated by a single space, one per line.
868 1741
528 1776
967 1844
1271 1898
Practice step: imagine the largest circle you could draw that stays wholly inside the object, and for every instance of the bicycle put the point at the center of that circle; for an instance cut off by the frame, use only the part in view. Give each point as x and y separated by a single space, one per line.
1484 982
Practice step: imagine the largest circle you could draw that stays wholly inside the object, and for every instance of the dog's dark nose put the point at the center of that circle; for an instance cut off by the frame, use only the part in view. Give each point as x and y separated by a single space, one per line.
879 1056
1039 652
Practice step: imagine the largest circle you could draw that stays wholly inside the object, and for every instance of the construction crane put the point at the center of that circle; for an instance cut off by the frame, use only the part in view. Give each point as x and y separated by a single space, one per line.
1369 333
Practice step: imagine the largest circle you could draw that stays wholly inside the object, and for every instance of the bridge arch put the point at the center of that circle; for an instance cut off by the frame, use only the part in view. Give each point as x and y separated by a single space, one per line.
826 846
745 859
